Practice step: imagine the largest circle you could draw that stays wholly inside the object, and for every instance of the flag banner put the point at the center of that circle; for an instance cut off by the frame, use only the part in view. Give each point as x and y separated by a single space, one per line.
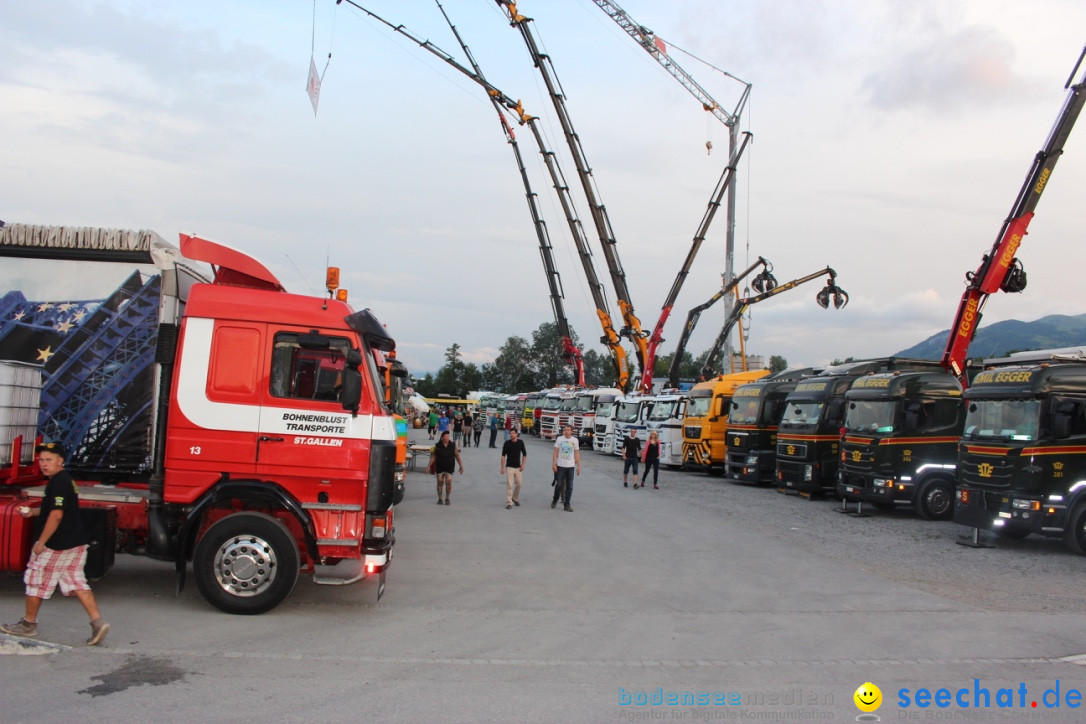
313 87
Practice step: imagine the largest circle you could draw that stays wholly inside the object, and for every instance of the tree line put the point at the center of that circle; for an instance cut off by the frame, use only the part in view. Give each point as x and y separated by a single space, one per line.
524 366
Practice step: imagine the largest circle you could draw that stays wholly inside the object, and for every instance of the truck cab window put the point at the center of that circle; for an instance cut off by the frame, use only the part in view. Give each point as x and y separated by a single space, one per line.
304 370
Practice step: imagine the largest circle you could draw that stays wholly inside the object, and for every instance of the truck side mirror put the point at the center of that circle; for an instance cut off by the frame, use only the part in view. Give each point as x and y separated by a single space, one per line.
1061 420
912 416
350 394
835 411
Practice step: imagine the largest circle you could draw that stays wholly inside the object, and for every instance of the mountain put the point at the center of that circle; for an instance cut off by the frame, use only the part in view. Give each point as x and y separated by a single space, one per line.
996 340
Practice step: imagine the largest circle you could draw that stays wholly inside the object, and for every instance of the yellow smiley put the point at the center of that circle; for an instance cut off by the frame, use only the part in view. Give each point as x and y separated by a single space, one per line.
868 697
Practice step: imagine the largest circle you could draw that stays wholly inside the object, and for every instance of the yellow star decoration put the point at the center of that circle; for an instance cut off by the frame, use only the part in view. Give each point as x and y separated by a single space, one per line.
65 327
44 306
65 307
45 354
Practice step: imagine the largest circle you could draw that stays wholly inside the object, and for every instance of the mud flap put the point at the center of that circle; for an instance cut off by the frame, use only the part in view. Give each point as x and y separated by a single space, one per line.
381 584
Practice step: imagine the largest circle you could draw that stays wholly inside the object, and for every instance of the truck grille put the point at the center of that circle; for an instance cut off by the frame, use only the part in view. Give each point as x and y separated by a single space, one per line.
859 460
792 450
692 432
985 472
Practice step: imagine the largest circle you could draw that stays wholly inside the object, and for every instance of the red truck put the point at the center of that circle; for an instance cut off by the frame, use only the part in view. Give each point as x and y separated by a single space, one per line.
216 419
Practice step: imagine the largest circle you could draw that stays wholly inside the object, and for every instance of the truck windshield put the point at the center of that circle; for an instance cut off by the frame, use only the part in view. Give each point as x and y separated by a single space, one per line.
663 410
569 404
744 411
698 406
605 409
801 414
871 416
552 403
584 404
1003 420
628 411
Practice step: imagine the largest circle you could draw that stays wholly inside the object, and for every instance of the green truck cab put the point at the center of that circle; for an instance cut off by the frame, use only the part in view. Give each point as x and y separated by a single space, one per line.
1022 454
900 446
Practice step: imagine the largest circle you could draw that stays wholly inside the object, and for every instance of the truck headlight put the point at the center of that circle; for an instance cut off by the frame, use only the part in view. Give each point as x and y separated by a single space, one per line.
752 459
1019 504
884 482
808 473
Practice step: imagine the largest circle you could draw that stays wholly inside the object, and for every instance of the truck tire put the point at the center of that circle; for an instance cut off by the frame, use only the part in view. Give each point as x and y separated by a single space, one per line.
1075 535
246 563
935 499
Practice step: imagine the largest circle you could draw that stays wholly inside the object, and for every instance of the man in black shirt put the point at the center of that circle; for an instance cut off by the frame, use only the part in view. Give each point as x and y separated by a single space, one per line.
514 458
631 452
60 551
446 455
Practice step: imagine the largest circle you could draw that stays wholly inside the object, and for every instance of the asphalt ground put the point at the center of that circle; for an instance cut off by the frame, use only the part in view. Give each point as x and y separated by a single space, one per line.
702 600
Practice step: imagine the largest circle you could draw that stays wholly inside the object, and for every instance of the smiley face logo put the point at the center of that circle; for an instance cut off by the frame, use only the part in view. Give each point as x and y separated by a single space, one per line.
868 697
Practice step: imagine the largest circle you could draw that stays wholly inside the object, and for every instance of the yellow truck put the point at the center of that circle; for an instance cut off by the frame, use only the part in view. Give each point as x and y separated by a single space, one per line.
704 446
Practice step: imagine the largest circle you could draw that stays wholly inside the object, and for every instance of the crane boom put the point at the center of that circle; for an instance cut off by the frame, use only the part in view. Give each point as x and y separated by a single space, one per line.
570 351
600 219
657 336
830 291
999 268
657 48
694 314
653 45
610 336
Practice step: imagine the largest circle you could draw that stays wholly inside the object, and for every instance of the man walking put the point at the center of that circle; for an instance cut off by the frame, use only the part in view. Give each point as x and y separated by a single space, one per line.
467 428
446 456
565 459
514 458
631 452
493 430
60 550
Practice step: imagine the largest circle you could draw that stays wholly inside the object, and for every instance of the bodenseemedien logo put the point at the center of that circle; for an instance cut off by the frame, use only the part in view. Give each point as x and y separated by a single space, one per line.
868 699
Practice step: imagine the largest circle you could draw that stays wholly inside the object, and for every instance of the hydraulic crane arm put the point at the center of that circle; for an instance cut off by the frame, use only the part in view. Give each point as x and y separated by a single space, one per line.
656 47
830 293
657 337
602 222
610 336
999 268
570 351
763 282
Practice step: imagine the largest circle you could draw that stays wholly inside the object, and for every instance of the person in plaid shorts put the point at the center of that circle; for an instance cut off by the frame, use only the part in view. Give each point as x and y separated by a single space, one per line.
60 551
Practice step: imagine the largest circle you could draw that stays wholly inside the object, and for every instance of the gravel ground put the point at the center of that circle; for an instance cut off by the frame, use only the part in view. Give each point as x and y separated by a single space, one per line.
1034 574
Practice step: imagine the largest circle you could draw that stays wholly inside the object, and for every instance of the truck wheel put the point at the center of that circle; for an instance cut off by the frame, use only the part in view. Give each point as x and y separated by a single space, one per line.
1075 535
246 563
935 500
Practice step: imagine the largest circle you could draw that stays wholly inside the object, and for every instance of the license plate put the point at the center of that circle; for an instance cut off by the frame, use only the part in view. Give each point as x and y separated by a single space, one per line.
850 490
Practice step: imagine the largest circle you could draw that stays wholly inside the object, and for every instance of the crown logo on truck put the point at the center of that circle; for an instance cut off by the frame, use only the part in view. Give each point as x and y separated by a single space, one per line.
985 470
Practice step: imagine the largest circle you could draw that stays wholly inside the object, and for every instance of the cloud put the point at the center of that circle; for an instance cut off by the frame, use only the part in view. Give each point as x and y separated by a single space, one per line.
967 67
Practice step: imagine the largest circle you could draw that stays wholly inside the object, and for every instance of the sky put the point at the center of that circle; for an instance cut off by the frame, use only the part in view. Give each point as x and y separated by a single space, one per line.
890 139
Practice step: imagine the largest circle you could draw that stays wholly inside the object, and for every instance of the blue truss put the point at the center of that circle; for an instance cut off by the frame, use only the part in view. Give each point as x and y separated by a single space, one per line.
89 398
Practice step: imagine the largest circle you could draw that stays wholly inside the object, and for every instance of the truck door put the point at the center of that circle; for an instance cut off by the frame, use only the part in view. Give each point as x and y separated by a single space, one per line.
217 393
303 426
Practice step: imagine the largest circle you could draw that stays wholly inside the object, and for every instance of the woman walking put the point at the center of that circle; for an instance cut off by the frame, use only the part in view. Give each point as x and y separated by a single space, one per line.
652 460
